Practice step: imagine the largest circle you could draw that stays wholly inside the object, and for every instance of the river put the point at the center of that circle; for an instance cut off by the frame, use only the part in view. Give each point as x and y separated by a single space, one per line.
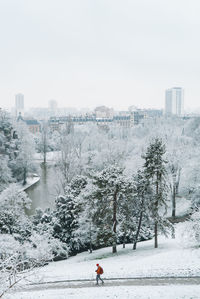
44 192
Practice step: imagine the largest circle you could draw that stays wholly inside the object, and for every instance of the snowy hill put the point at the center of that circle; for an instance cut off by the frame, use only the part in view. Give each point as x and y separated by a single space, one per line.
171 259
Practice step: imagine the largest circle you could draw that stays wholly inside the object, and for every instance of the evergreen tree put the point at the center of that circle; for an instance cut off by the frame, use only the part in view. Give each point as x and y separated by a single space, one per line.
65 221
66 214
86 232
108 196
126 211
155 172
142 205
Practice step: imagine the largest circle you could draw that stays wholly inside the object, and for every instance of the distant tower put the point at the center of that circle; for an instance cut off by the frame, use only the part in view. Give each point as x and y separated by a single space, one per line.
19 104
53 107
174 101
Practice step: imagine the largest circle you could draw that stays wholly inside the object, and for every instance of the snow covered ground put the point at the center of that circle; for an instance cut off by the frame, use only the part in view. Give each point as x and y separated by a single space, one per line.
170 259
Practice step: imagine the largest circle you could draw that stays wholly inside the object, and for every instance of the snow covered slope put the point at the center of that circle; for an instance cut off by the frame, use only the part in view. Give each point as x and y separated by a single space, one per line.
170 259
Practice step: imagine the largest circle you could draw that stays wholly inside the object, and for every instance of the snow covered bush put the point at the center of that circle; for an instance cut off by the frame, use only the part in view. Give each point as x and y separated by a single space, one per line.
43 229
38 249
189 231
44 248
13 218
58 249
8 246
16 260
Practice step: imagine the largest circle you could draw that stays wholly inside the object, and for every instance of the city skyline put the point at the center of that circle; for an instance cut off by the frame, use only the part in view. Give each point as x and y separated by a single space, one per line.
52 105
90 53
46 104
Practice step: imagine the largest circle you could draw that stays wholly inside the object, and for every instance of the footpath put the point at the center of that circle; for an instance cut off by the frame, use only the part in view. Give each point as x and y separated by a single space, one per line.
110 282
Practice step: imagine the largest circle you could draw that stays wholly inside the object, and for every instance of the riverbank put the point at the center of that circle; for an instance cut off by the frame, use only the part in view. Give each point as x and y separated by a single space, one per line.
31 181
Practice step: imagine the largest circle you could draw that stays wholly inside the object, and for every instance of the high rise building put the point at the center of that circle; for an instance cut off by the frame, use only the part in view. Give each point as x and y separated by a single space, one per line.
19 104
174 101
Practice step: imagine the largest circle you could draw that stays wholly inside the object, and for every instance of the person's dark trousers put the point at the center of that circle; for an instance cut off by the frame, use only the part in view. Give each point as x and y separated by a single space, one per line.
99 277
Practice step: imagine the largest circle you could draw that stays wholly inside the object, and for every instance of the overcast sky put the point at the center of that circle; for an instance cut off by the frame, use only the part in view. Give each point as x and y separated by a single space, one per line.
99 52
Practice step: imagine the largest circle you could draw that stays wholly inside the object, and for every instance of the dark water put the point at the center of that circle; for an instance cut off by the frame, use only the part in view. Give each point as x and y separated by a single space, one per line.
44 192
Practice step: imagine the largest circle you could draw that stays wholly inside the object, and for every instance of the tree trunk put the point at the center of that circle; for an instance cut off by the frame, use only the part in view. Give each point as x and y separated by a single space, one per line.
124 240
45 149
24 177
114 249
173 233
45 159
44 141
178 180
173 200
156 223
90 238
138 231
156 234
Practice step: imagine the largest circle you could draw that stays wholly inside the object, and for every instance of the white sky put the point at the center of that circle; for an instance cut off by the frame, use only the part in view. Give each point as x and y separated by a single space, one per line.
99 52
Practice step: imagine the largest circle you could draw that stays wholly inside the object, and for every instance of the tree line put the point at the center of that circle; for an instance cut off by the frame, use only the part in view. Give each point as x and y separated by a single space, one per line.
115 184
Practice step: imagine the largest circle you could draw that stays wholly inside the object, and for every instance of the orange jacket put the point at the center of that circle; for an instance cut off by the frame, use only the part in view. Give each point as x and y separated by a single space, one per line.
98 270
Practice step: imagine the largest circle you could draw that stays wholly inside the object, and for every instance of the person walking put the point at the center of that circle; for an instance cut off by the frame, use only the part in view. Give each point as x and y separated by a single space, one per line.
99 271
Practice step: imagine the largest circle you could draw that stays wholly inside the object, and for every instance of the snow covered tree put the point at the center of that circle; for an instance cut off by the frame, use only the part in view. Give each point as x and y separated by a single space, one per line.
64 219
65 216
13 219
7 148
24 162
189 232
142 206
67 160
86 232
178 153
5 173
43 141
54 140
110 190
42 221
125 218
155 172
174 171
42 233
6 132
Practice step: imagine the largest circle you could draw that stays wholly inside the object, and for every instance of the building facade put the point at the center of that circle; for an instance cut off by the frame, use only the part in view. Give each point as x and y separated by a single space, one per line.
33 125
174 101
